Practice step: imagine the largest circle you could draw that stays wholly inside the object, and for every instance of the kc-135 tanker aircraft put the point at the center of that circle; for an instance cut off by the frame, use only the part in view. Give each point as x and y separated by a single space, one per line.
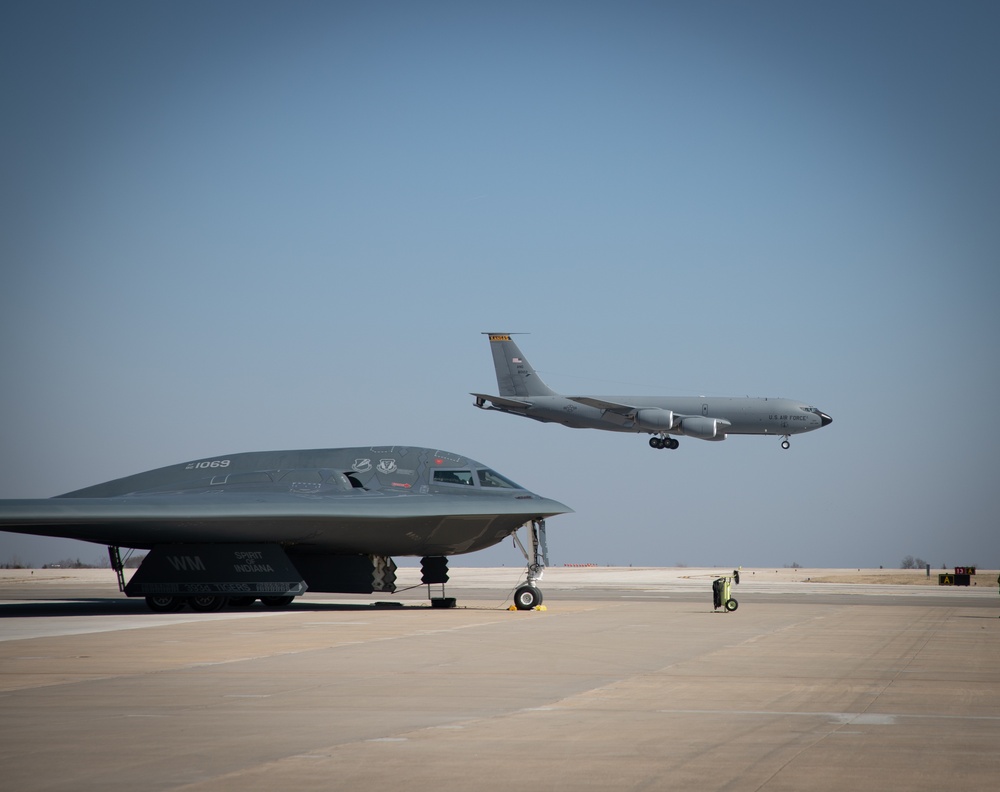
522 392
228 530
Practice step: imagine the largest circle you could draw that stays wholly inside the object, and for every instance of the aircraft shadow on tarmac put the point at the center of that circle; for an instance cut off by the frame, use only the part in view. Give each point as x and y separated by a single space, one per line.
126 607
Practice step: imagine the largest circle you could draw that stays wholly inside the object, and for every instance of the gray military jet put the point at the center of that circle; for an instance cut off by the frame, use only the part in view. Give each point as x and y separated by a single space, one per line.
522 392
269 525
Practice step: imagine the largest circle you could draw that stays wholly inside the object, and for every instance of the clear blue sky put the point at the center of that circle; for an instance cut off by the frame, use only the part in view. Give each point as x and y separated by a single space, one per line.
241 226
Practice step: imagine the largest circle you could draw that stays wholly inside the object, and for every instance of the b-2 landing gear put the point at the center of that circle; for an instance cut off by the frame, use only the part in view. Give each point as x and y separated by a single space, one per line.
529 596
163 603
208 603
663 442
434 572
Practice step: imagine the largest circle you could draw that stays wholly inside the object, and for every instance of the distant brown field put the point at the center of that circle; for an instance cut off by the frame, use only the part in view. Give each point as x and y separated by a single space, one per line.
907 577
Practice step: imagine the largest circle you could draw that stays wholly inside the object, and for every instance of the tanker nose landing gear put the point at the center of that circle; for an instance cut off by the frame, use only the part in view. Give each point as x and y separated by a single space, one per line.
529 596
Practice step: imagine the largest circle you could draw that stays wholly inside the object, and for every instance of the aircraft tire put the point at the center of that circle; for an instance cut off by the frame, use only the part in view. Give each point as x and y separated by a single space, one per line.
731 605
207 603
527 597
655 442
785 444
277 602
159 603
672 443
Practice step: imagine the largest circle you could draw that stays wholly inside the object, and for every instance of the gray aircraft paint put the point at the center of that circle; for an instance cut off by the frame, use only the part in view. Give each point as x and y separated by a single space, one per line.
378 500
522 392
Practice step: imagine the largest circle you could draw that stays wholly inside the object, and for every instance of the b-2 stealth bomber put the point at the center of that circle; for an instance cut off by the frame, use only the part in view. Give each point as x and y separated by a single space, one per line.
228 530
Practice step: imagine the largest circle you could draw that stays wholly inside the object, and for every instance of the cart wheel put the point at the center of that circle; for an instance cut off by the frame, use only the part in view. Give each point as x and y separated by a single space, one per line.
732 605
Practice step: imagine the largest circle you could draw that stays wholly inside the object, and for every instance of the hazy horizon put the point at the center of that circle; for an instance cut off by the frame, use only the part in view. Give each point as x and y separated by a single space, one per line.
248 226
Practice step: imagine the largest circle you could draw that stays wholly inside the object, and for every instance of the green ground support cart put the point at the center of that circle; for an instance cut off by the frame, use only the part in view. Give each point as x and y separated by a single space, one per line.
722 596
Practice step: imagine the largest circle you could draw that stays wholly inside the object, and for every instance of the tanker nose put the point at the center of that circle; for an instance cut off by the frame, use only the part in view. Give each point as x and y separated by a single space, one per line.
825 419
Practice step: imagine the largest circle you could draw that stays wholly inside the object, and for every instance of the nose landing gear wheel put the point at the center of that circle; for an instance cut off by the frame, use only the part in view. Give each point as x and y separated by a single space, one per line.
527 597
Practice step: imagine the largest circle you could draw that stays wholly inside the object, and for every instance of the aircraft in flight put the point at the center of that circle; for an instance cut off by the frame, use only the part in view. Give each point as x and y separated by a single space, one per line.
522 392
230 529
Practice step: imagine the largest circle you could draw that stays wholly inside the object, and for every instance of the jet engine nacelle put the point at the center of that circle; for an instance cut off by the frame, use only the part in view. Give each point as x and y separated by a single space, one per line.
703 428
655 420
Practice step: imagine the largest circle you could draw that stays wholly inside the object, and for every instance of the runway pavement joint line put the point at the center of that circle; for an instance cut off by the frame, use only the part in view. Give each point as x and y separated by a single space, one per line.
852 718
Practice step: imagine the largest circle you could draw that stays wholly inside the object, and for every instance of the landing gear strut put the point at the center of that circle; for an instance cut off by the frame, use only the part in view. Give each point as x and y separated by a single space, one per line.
663 442
529 595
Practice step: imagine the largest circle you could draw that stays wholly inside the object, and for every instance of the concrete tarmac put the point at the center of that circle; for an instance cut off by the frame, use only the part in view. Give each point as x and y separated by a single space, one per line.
628 681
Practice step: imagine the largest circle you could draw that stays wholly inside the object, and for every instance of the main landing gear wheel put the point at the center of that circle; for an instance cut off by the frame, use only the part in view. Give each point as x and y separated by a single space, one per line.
527 597
277 602
163 603
732 605
663 442
208 603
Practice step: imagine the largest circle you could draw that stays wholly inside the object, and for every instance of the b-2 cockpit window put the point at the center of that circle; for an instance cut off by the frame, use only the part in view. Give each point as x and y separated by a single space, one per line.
259 477
308 475
453 477
490 478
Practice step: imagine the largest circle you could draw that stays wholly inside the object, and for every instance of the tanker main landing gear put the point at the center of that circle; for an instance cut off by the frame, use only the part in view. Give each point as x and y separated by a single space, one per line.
663 442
